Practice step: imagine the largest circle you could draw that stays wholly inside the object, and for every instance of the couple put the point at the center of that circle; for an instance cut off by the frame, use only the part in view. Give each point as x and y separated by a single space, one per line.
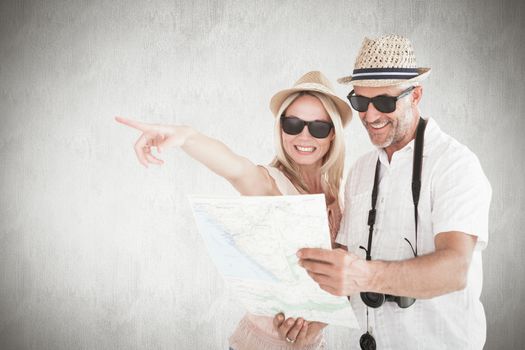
415 217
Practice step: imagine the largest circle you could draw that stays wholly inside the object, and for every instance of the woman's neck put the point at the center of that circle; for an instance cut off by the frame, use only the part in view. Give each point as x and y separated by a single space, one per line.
311 175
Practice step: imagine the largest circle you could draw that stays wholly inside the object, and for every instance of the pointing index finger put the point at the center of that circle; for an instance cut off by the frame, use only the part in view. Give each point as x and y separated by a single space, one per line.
132 123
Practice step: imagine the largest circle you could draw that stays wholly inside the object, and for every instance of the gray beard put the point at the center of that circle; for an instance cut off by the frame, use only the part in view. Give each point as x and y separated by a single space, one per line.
400 131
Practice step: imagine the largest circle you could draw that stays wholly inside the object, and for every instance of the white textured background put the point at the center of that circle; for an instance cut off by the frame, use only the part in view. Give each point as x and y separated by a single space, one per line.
97 252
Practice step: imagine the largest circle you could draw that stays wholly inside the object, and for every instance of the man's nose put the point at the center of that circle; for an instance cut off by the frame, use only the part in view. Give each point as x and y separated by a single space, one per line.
371 114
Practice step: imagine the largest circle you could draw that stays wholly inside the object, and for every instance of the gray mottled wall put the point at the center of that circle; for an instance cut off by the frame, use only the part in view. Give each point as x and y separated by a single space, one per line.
97 252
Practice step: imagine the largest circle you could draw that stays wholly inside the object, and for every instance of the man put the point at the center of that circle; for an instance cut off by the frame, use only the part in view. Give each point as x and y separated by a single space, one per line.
436 260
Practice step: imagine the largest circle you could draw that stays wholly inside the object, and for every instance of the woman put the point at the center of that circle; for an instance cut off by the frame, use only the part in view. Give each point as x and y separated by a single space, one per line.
310 156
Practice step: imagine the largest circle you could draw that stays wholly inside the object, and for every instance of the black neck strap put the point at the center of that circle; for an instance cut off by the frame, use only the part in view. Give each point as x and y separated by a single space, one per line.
416 187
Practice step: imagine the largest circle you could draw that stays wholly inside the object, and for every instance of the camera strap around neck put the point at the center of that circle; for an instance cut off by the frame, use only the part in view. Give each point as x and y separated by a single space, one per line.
416 186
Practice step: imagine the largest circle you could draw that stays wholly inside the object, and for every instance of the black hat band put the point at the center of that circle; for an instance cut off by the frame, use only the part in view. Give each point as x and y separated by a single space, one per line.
384 73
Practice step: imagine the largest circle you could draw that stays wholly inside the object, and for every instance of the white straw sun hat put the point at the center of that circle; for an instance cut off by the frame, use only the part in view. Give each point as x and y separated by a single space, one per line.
312 81
388 60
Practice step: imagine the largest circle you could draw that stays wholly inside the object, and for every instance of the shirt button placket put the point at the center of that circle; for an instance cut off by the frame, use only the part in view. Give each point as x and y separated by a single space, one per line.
384 190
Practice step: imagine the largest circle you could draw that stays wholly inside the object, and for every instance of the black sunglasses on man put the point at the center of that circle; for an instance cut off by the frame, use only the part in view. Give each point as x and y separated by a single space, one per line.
383 103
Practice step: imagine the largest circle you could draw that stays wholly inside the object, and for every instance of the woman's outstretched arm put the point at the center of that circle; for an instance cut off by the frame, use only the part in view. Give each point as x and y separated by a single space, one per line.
245 176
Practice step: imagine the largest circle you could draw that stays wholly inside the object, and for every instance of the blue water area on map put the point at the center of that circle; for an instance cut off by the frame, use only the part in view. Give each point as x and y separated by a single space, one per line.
224 252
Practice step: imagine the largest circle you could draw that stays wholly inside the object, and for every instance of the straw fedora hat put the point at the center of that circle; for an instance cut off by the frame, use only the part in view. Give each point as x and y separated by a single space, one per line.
385 61
313 81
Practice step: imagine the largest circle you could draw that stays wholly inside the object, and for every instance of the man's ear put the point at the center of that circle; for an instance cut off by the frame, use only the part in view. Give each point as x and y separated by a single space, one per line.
417 94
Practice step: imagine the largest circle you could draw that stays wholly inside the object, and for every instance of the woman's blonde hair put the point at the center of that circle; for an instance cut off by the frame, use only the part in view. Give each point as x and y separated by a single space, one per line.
333 161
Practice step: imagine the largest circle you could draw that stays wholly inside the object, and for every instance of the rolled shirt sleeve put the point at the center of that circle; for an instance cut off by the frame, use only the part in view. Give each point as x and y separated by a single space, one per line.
461 196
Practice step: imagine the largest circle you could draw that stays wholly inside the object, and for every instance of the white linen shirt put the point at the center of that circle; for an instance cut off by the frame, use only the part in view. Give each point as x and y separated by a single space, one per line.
455 196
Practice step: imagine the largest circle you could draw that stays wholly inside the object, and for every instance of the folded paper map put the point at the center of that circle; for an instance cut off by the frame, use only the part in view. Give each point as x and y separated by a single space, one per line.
253 241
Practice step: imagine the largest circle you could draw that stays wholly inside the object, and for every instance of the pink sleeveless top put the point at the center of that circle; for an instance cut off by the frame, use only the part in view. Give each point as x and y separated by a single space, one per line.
255 332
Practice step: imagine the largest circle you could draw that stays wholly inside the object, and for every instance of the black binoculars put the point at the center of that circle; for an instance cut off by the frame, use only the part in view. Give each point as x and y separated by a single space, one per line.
375 300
